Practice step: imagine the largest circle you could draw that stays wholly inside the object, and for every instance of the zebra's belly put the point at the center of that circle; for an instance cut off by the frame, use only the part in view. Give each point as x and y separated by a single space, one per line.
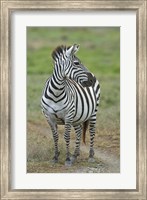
59 117
60 120
81 117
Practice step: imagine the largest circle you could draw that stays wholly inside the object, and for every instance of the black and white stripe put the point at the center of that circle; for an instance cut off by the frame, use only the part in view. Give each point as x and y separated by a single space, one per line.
70 97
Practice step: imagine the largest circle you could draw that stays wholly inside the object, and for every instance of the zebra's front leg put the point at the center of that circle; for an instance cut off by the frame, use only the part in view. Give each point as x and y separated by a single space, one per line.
92 129
78 130
67 141
55 138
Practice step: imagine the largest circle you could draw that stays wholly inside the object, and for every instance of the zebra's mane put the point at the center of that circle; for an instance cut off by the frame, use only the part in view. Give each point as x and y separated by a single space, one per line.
59 50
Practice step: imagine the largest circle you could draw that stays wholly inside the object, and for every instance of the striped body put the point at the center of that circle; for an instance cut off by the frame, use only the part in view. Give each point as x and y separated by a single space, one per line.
70 97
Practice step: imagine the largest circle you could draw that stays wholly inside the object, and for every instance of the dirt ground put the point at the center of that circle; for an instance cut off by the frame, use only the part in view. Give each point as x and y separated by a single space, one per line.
40 143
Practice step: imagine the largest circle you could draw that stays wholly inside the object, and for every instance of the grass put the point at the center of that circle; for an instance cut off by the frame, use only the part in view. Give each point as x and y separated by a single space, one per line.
100 52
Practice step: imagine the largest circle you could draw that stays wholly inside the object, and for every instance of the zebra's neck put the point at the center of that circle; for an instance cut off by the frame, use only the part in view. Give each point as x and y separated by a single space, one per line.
57 81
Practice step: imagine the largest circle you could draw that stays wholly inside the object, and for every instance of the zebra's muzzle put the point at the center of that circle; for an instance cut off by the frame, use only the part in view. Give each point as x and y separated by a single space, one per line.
90 82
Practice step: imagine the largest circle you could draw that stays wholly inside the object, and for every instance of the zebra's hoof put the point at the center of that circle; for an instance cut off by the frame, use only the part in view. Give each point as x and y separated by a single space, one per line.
91 160
68 163
54 160
73 159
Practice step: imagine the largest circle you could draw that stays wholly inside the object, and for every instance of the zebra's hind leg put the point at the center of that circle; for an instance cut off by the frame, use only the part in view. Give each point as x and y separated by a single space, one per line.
92 129
78 130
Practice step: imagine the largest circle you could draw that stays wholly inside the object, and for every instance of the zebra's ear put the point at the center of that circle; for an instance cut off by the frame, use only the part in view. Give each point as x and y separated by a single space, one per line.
75 48
72 50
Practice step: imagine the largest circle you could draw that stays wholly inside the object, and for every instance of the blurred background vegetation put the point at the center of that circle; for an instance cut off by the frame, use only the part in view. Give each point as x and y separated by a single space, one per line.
100 53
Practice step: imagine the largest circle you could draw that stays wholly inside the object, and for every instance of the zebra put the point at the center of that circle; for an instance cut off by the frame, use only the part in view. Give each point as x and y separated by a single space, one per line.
70 98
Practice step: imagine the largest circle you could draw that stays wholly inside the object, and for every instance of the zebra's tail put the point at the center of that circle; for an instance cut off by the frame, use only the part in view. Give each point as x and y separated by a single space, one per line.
85 126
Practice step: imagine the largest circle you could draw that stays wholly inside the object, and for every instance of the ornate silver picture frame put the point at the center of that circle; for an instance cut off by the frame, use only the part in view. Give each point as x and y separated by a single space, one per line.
7 8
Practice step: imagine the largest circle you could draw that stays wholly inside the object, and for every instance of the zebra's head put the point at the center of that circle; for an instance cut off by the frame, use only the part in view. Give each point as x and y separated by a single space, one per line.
70 66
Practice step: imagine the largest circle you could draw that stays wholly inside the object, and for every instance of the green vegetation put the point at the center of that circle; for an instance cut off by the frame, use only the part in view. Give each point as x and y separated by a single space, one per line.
100 53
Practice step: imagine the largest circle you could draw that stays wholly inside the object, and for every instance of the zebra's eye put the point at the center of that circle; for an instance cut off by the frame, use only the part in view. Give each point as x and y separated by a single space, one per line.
76 62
